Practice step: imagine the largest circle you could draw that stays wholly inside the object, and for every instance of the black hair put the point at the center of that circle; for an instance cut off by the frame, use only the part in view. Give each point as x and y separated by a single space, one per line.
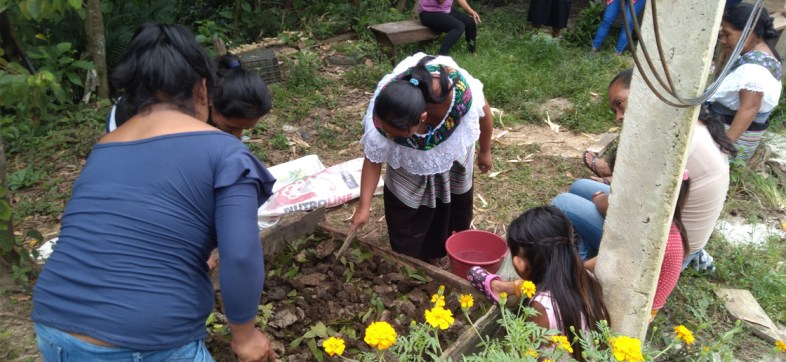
681 199
738 16
714 123
163 64
545 238
623 78
402 101
239 93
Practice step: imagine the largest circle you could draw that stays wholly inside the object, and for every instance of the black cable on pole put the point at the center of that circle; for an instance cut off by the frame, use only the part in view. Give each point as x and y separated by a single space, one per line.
670 89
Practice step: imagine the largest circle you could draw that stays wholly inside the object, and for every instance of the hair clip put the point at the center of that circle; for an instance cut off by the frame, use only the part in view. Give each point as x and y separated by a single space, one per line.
232 64
414 81
685 175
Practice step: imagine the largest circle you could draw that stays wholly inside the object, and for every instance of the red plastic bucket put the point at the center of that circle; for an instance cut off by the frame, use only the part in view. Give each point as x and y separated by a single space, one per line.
470 248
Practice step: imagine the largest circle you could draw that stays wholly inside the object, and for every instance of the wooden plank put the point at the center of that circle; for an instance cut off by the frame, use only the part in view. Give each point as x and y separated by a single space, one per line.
450 279
290 227
602 144
468 341
743 306
403 32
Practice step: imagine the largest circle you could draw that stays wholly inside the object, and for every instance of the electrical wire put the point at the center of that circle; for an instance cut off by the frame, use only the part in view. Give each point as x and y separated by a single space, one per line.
668 85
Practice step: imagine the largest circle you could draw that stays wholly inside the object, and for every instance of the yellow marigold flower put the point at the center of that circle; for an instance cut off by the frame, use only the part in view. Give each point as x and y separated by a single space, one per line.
380 335
528 288
438 300
333 346
684 334
439 317
466 301
532 353
626 348
781 346
562 343
441 290
548 360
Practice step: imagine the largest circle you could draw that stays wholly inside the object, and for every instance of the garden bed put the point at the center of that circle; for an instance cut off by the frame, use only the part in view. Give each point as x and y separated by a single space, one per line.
310 296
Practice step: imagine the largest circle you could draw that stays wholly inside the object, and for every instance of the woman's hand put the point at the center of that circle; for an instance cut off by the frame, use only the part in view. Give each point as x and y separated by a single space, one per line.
360 218
474 15
485 161
252 347
601 201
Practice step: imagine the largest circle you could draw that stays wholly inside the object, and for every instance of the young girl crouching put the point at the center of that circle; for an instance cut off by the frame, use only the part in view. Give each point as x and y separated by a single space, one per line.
543 245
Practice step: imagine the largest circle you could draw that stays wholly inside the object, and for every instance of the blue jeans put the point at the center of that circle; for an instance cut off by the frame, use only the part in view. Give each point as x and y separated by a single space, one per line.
611 13
56 346
578 207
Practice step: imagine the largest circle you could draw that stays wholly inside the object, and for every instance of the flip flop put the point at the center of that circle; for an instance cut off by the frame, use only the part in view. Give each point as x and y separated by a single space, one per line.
481 279
590 165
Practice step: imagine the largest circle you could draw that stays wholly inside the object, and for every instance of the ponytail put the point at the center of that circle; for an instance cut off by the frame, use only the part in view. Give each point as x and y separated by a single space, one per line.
163 64
714 124
239 93
681 199
401 102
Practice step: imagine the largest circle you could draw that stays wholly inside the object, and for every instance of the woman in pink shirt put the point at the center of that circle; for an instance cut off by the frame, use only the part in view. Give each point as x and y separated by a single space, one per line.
441 17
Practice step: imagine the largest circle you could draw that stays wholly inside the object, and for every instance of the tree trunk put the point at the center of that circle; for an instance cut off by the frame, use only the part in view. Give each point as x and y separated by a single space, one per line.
96 44
8 255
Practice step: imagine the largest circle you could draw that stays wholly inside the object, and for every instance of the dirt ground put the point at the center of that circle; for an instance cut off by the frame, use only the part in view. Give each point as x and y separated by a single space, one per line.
307 286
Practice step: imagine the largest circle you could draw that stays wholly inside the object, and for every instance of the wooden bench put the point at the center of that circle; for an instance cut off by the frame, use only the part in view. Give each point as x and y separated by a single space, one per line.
390 35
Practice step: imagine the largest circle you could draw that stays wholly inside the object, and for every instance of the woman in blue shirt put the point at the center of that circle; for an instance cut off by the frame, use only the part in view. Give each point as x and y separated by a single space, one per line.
128 279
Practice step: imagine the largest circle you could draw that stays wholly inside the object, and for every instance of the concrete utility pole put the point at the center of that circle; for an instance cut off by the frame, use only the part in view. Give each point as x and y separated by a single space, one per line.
650 160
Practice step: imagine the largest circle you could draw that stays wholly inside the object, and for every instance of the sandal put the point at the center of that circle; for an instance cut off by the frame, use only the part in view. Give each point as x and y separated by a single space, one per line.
591 164
481 279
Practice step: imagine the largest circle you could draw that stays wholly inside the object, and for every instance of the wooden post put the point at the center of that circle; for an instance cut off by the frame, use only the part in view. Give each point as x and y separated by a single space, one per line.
651 157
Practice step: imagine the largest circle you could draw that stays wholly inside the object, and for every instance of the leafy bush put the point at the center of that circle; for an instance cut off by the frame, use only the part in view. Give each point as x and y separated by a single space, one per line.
586 25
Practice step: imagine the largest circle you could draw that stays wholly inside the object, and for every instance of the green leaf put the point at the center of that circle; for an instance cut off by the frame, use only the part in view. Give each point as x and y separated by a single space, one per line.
34 234
83 64
5 211
74 78
63 47
76 4
296 342
312 345
246 7
32 8
320 330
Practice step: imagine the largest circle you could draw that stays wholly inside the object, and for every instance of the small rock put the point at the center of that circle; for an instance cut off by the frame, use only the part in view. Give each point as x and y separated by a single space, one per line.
384 289
289 128
283 319
418 296
275 294
324 249
393 278
312 280
556 108
278 347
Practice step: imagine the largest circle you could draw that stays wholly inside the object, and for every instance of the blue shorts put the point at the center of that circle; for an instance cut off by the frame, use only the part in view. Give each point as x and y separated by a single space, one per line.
56 346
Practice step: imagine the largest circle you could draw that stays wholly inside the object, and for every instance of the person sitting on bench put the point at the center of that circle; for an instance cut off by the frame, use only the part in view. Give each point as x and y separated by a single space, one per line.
441 17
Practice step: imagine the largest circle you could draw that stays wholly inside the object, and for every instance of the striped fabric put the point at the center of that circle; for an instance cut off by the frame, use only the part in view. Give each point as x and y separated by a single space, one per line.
747 143
415 191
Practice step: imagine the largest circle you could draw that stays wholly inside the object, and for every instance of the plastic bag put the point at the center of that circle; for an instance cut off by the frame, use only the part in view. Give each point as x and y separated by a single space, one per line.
330 187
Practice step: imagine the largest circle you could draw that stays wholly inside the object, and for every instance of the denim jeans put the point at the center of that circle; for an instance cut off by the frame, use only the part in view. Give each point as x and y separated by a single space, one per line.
578 207
56 346
611 13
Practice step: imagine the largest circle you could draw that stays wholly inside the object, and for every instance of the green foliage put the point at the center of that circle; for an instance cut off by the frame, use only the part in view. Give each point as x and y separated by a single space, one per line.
589 18
44 9
207 30
59 59
24 178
